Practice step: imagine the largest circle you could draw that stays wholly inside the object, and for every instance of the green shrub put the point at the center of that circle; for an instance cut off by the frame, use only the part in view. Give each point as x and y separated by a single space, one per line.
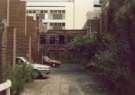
92 38
81 49
21 75
104 56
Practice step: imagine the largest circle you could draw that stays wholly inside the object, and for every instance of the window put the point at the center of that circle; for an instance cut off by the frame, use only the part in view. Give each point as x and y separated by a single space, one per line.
57 26
42 11
41 16
52 40
31 11
63 11
97 3
42 40
57 14
61 39
45 27
45 11
34 11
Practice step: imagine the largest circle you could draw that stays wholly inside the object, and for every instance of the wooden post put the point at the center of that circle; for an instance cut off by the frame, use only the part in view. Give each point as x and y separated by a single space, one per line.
3 49
14 48
30 48
1 33
8 11
4 44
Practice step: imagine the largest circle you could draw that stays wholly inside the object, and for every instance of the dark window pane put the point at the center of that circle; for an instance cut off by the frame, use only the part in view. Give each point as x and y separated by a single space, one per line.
61 39
52 40
42 40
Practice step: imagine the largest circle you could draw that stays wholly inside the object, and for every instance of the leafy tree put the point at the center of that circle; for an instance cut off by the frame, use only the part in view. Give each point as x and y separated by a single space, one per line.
81 49
125 26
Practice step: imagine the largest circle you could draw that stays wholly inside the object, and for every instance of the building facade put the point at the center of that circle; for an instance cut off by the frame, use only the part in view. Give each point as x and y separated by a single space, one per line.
60 14
93 23
53 14
54 42
18 30
32 38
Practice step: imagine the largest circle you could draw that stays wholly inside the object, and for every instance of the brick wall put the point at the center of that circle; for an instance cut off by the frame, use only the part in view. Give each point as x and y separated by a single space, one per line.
32 34
17 20
11 45
26 32
3 9
58 46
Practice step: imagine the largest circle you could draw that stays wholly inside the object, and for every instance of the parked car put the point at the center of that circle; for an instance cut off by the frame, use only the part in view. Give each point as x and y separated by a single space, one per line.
38 69
51 62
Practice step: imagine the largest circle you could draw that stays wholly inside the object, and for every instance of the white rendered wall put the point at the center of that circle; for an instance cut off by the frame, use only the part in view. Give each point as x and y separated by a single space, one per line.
76 12
82 8
67 6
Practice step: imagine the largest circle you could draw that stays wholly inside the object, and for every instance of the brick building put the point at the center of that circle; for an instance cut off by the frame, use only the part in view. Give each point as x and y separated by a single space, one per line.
17 19
32 36
55 41
13 12
11 45
21 35
3 9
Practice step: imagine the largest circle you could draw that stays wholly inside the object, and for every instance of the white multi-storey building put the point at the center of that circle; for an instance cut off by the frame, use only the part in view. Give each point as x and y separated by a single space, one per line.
60 14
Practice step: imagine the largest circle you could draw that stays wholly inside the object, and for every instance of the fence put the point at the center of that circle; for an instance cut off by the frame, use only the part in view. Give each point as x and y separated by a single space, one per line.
6 87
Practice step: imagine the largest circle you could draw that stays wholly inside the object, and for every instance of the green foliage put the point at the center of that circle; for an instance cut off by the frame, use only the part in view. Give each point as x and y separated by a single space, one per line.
103 2
122 18
78 41
104 56
81 49
21 75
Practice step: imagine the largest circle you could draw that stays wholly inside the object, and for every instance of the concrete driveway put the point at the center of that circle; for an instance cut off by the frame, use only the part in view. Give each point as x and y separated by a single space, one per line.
69 79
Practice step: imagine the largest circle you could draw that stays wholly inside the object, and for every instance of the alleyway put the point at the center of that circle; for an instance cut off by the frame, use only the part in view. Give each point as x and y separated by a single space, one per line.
66 80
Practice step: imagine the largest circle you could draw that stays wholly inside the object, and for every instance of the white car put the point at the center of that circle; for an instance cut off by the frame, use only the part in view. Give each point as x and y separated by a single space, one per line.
39 69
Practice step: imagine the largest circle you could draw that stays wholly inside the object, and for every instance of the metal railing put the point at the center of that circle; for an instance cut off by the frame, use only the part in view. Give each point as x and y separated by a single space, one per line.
6 87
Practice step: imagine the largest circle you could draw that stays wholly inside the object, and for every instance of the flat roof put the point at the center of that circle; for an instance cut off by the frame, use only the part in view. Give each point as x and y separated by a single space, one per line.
50 0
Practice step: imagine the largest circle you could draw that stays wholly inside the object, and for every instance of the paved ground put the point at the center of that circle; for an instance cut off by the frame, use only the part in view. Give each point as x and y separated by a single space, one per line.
66 80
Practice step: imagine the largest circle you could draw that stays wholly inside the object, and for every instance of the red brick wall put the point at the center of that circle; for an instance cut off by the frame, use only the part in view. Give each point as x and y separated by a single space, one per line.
10 40
18 19
33 33
68 36
3 8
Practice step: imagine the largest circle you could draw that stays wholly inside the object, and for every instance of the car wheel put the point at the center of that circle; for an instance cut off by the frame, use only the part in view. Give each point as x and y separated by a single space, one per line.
35 74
